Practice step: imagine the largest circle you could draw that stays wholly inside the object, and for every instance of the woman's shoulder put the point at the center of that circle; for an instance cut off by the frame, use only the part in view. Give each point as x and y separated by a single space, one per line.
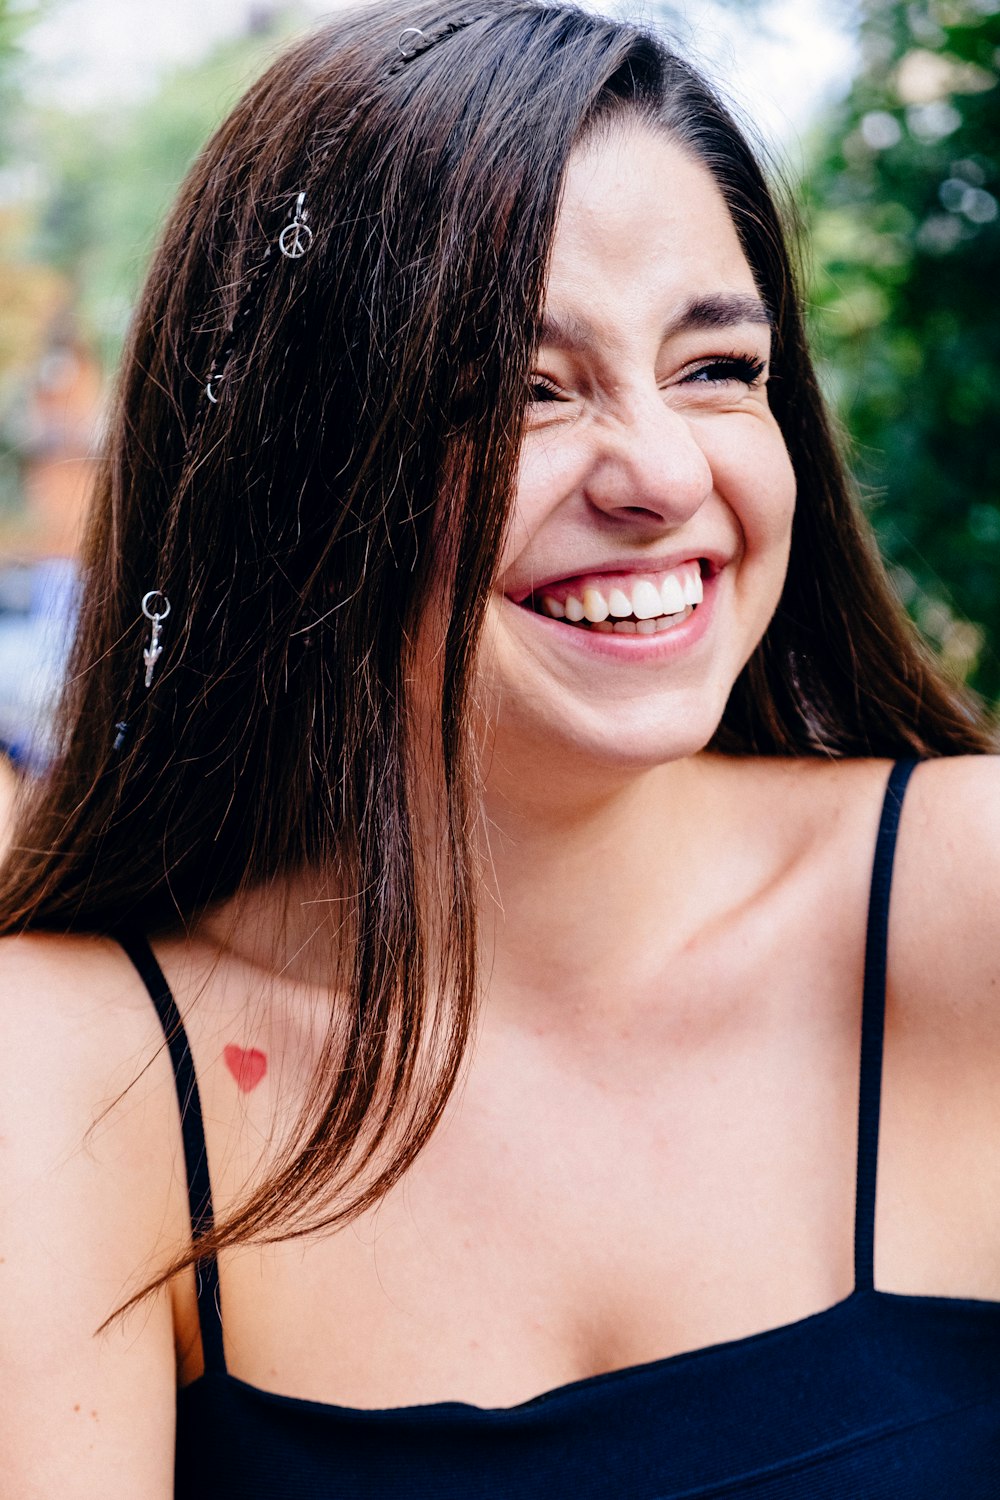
945 894
92 1209
85 1086
944 912
74 1012
70 968
951 805
957 797
944 927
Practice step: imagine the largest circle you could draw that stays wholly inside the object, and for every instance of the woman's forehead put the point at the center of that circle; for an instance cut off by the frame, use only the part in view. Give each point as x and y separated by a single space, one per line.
643 230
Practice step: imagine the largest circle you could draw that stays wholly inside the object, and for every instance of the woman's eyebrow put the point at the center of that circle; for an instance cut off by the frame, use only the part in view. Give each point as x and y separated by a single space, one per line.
723 311
567 331
726 310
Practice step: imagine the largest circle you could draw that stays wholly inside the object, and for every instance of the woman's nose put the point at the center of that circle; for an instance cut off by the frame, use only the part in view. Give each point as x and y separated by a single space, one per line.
649 465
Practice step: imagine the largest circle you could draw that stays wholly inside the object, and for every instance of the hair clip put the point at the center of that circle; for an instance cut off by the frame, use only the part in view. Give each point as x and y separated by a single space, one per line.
296 237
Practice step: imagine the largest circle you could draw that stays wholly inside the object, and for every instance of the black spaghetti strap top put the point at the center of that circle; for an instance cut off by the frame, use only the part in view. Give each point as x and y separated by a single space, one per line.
883 1396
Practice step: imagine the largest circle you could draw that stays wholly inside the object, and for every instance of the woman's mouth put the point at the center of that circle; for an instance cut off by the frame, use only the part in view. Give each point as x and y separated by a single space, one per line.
624 603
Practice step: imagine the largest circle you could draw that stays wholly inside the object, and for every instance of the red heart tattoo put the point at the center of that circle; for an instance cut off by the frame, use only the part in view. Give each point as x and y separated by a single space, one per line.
247 1065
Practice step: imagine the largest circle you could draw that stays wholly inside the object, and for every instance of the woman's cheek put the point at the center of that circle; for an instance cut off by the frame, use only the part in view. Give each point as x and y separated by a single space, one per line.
754 476
551 470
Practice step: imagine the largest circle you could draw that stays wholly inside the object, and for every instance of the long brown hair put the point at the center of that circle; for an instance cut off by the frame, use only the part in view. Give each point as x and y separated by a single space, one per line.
357 451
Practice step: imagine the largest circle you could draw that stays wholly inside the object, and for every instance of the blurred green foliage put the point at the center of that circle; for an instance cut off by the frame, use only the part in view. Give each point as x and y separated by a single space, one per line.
905 221
16 19
116 172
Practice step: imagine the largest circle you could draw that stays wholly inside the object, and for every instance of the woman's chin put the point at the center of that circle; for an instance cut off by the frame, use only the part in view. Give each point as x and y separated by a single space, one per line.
612 740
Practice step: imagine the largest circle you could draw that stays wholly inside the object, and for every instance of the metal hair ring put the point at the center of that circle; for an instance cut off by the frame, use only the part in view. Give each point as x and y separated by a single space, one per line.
409 41
155 614
296 237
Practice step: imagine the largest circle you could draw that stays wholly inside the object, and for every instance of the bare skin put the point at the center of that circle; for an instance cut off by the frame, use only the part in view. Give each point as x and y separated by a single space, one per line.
653 1147
10 783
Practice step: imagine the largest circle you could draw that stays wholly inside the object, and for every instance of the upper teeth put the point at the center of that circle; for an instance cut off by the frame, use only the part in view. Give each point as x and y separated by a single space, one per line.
645 598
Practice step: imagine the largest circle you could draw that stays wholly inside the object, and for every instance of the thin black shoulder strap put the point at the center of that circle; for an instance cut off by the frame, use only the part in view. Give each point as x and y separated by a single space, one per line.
873 1025
195 1155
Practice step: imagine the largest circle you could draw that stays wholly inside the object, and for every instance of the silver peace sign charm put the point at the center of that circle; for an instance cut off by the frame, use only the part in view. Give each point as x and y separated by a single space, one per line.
156 607
296 237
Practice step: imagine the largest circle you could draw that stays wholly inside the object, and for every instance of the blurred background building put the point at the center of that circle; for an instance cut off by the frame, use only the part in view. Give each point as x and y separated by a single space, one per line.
882 118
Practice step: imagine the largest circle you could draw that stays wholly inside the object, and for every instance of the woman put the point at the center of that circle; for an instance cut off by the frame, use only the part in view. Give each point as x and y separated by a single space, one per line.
481 744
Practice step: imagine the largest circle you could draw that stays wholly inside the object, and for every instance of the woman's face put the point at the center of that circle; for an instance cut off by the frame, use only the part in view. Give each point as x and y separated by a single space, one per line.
655 494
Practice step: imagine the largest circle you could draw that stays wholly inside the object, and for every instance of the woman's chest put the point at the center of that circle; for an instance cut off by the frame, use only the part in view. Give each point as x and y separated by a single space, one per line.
662 1164
638 1181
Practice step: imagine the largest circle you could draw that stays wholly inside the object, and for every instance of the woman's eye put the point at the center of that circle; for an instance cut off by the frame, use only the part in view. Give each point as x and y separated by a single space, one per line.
740 367
540 388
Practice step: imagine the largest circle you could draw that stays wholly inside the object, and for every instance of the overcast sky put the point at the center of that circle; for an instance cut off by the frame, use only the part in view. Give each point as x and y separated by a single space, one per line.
778 70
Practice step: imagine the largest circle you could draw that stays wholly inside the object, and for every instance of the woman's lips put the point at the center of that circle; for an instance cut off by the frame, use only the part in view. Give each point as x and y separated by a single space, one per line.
646 596
617 571
631 639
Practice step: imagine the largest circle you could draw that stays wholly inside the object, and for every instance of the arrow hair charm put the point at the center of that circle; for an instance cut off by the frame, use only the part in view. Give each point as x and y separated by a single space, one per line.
156 607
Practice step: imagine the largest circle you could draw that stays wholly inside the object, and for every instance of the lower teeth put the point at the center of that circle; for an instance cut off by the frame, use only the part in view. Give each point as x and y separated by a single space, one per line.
634 627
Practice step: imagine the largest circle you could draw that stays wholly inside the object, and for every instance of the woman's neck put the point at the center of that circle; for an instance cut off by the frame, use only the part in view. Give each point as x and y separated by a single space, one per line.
586 882
589 881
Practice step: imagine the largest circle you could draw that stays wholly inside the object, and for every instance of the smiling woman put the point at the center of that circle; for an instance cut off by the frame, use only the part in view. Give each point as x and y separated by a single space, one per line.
485 675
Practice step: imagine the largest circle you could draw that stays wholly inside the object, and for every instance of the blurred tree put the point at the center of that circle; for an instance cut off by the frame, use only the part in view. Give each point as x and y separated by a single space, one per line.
27 290
16 16
905 219
80 206
115 173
